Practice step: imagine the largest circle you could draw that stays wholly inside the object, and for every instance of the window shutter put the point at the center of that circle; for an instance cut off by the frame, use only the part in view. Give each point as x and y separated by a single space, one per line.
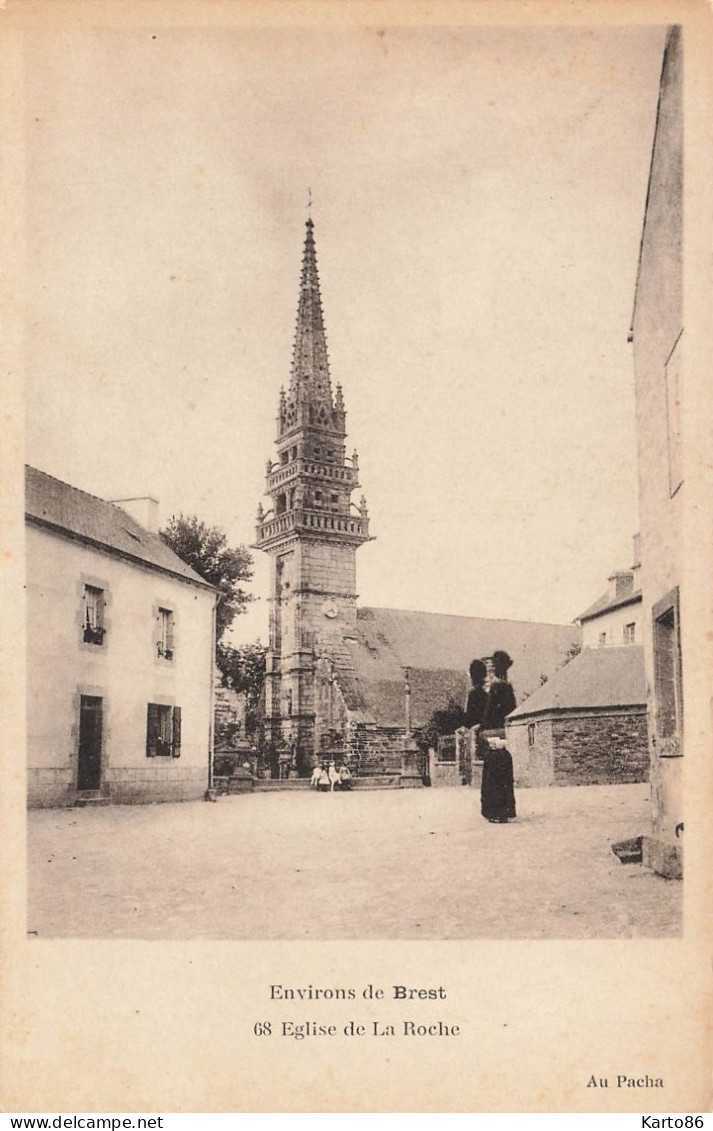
152 729
176 749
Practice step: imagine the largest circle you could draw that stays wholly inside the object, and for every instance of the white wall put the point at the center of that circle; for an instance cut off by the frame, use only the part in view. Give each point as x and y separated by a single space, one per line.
126 672
613 624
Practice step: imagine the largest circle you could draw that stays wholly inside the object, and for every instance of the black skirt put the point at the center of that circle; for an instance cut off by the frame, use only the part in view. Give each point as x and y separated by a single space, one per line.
497 792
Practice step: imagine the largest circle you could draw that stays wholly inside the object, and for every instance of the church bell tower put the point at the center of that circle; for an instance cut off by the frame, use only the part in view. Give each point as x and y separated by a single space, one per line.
311 531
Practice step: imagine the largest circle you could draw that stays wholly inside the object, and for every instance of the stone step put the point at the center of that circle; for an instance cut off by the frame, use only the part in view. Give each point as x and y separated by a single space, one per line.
365 781
377 781
272 785
93 797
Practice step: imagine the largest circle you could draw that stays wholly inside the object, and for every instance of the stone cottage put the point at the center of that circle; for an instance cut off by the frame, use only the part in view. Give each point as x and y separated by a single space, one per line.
586 725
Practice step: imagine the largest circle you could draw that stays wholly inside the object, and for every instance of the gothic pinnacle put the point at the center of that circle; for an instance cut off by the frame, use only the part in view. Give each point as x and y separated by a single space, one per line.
310 364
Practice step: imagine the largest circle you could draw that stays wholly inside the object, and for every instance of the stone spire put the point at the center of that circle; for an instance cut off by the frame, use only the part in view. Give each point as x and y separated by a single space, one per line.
310 363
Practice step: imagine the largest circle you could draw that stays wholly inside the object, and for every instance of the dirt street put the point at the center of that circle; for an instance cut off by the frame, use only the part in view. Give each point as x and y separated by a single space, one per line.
393 864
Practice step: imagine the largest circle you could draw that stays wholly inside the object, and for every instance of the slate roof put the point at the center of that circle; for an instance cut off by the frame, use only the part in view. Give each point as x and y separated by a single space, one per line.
437 649
57 506
596 678
605 604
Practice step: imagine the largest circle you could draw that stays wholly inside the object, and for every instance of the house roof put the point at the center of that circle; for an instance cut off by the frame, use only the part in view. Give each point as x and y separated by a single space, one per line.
596 678
57 506
437 649
605 604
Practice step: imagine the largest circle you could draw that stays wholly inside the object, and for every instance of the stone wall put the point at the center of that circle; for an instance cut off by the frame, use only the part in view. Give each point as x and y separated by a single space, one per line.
601 749
531 746
377 750
171 782
587 748
50 787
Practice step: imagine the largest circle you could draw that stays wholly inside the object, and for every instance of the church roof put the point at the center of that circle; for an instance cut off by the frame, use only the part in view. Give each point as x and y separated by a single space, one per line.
437 649
66 510
596 678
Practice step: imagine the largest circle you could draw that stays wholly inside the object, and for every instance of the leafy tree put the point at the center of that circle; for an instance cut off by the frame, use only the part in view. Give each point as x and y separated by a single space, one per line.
243 669
205 548
445 721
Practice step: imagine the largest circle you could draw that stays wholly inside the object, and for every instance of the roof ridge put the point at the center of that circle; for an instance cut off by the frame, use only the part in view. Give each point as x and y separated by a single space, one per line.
467 616
80 490
108 502
99 523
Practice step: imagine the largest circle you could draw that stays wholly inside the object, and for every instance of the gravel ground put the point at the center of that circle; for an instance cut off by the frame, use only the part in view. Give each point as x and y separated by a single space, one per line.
393 864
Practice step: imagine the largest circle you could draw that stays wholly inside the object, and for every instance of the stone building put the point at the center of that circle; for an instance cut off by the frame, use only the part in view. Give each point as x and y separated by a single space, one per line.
657 336
586 725
120 643
357 681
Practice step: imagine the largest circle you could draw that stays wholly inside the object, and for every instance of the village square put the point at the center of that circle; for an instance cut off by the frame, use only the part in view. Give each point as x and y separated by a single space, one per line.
365 771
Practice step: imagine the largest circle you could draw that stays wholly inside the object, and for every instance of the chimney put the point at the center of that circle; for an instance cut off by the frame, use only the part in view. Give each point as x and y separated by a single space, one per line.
143 510
621 584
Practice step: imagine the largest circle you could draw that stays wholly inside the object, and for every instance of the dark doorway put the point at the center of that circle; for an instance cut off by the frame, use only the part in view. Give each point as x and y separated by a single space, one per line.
90 742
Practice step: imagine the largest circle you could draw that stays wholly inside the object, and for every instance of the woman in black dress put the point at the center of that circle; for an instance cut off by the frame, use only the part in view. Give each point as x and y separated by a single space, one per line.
477 701
497 794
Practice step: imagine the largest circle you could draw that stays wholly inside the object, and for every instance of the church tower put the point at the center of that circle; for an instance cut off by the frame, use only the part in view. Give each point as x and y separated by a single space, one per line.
311 531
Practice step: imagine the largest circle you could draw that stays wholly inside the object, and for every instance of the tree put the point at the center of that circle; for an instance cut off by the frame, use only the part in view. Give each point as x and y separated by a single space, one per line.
243 669
206 550
572 651
445 721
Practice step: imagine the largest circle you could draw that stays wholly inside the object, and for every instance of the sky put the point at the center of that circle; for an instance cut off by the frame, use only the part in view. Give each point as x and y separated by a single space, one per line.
478 201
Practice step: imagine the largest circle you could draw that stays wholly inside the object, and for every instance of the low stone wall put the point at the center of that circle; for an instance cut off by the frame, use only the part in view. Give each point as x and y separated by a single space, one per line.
377 750
445 774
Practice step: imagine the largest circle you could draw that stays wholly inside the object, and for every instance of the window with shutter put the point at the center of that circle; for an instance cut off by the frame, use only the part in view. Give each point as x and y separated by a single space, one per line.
93 617
176 748
163 731
165 646
152 729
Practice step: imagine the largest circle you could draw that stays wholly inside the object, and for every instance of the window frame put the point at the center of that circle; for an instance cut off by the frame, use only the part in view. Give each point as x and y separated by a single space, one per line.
163 730
166 643
667 717
94 641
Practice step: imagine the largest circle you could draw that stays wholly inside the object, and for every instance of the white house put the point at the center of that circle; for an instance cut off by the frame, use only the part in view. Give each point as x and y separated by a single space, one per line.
614 619
120 647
